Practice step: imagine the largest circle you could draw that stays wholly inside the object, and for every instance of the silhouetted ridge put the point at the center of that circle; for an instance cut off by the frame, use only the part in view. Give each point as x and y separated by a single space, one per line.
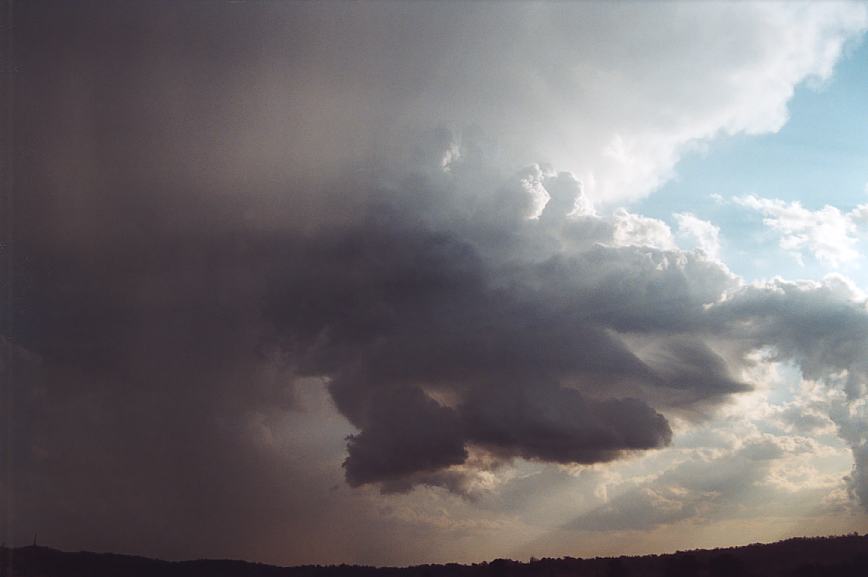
845 556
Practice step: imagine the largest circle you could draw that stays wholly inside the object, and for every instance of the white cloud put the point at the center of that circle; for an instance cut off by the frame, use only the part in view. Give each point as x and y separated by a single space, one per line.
860 214
637 230
828 234
603 91
705 235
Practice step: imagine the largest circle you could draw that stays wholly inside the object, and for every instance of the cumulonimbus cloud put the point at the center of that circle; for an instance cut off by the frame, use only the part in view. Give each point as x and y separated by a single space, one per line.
448 316
210 209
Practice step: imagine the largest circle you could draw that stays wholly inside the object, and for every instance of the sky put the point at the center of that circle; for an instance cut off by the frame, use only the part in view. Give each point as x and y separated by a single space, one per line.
818 158
396 283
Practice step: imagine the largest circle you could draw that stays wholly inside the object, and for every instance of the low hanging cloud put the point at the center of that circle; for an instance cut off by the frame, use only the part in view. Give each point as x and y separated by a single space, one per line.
473 332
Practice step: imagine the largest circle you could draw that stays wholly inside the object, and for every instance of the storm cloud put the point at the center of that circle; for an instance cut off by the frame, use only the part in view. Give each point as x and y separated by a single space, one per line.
207 214
437 327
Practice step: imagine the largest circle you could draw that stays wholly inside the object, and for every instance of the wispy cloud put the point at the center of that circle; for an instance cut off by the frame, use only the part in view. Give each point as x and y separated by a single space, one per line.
827 234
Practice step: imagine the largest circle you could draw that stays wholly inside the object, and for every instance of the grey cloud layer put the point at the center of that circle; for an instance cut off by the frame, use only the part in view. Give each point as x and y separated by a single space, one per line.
438 326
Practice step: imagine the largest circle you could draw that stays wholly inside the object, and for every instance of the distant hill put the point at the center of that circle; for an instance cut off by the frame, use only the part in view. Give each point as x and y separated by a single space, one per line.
805 557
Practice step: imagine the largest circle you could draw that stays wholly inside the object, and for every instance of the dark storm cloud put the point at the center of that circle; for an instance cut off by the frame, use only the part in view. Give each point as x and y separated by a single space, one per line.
822 326
393 313
436 286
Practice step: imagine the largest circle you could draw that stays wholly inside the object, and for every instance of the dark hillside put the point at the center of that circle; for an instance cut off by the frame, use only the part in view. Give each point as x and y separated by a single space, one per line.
845 556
